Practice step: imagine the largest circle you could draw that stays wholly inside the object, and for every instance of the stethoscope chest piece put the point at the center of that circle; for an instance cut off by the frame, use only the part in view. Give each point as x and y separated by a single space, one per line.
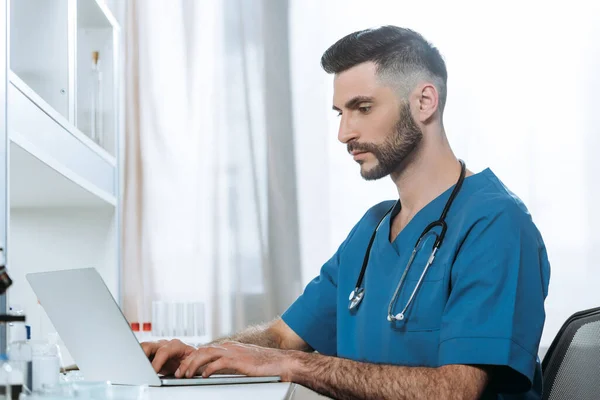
356 297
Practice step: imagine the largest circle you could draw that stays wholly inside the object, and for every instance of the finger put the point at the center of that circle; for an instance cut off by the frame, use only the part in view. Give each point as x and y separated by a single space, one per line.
221 364
204 351
185 364
161 356
200 371
171 353
149 348
199 361
196 360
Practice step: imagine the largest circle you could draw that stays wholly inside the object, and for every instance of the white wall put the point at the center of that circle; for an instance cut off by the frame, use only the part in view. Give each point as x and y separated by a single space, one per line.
49 239
523 81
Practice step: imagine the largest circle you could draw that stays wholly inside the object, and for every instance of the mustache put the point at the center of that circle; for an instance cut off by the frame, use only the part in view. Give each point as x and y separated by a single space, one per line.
361 147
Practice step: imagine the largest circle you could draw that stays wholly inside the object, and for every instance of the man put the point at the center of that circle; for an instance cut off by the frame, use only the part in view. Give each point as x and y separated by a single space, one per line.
461 316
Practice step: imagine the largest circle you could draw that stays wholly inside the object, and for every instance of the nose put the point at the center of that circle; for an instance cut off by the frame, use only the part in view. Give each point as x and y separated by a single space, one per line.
347 131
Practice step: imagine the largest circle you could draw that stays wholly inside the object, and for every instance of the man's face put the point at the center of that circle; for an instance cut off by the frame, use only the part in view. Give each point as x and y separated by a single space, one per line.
376 126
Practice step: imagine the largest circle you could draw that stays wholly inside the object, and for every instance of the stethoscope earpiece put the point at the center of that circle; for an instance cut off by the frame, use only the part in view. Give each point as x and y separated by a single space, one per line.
397 317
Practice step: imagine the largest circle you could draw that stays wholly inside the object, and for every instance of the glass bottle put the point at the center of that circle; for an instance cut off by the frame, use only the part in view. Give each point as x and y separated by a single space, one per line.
5 372
96 129
20 352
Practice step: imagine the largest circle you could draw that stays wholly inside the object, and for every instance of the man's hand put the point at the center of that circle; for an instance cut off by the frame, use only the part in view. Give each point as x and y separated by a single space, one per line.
166 355
234 357
336 377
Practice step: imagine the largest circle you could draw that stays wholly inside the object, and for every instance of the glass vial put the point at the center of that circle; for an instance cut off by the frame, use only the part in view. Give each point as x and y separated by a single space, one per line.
96 132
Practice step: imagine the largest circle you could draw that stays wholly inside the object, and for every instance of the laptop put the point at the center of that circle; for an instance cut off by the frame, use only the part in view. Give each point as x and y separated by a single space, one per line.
98 336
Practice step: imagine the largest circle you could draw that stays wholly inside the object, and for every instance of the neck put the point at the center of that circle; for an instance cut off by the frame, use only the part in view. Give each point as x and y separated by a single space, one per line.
427 173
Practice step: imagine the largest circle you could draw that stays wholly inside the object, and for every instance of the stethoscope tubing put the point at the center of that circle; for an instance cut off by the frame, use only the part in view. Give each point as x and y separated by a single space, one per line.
357 295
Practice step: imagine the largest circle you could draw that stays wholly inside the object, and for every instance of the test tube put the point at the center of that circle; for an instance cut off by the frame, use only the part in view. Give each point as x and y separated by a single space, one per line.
146 331
171 319
135 327
198 318
179 320
159 318
190 319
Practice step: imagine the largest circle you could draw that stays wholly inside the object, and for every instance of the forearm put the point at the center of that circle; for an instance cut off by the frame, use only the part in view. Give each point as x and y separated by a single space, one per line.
259 335
346 379
275 334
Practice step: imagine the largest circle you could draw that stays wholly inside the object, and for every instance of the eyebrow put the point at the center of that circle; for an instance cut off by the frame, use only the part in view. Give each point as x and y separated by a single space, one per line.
354 102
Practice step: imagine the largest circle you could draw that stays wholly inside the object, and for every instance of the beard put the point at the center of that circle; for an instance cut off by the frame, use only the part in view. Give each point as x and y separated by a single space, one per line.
404 138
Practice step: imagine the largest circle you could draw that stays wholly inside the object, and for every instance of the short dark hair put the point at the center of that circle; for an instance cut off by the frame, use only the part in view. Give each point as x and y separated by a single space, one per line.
396 51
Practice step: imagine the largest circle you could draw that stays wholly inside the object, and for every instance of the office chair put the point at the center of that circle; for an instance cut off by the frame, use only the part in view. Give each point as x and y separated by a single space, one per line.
571 367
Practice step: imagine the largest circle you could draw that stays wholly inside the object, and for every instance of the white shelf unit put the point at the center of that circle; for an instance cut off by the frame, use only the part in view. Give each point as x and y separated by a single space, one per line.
63 188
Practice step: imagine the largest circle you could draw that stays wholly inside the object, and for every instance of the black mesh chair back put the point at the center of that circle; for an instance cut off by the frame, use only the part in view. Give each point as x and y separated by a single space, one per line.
571 367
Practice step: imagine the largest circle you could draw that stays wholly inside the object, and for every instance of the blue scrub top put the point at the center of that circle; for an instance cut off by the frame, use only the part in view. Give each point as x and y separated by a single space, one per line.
481 302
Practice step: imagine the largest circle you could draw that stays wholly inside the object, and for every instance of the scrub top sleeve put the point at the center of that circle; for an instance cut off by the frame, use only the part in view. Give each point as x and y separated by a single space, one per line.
313 316
495 311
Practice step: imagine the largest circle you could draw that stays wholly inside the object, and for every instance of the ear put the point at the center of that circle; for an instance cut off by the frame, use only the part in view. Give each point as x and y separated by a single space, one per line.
428 102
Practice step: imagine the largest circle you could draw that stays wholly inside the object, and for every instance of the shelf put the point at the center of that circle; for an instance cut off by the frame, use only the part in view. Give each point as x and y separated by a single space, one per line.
33 184
50 151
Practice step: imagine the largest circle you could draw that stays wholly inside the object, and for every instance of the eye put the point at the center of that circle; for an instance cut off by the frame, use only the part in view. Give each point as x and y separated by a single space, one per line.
339 114
364 109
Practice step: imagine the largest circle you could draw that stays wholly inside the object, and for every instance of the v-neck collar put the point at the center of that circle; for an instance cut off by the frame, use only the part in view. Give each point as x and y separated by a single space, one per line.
431 212
410 232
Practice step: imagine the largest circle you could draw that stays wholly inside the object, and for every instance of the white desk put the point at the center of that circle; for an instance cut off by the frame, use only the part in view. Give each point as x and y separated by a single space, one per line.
254 391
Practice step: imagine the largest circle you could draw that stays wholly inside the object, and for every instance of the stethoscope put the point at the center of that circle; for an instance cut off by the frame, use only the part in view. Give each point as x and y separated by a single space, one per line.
357 295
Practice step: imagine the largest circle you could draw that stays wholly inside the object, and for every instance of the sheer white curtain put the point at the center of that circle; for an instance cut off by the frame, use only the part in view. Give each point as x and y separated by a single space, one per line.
198 224
522 88
170 173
